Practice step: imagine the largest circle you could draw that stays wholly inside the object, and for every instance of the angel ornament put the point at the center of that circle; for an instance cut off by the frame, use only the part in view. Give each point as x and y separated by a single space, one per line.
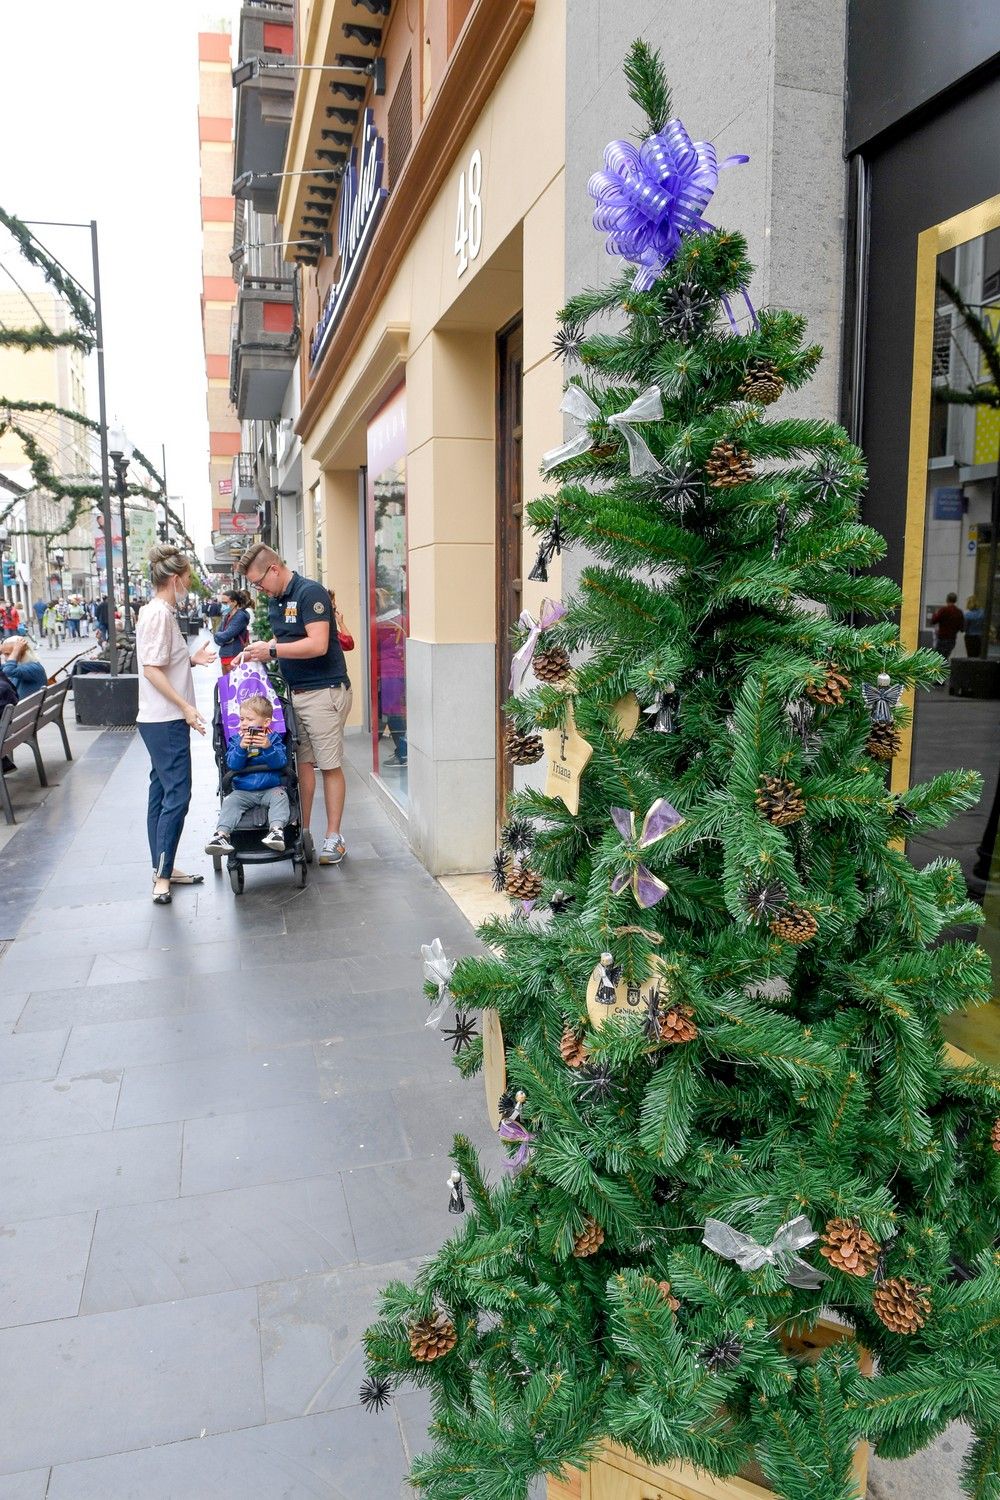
882 698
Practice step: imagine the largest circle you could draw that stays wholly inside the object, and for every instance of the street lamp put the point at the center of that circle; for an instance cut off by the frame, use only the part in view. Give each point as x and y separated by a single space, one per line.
120 452
347 62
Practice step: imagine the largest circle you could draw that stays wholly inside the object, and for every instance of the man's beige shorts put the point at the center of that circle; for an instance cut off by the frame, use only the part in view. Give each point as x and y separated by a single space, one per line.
321 716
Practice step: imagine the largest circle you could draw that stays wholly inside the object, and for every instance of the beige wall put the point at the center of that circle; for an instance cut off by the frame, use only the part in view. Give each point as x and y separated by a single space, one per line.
448 323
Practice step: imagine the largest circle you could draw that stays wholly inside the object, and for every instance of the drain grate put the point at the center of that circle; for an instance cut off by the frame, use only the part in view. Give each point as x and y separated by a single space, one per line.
119 728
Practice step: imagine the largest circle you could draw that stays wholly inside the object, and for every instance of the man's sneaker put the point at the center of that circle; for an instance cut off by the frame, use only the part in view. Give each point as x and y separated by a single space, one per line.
333 851
219 844
274 838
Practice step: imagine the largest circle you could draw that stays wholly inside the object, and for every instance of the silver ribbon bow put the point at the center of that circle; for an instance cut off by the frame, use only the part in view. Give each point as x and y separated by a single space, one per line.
438 969
794 1235
551 612
647 407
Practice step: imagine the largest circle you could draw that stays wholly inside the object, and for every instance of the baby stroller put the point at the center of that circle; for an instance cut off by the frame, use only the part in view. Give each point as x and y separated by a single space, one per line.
246 838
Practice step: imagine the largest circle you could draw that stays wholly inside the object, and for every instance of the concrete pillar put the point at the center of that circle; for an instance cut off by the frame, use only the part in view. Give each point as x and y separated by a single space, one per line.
451 498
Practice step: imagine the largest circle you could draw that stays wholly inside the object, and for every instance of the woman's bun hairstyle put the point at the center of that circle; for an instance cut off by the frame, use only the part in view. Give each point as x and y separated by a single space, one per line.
166 562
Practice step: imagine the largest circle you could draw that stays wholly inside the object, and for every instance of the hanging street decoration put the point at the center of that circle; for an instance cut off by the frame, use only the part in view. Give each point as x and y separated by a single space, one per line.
462 1033
609 993
764 899
567 341
438 969
567 754
647 199
552 545
790 1237
576 404
375 1393
494 1065
881 699
660 820
662 712
681 488
550 614
456 1198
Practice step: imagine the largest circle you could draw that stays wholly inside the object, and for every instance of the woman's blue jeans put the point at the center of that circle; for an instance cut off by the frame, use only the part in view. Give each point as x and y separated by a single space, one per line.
169 747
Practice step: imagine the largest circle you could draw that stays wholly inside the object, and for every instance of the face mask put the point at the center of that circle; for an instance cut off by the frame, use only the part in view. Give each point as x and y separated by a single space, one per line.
180 594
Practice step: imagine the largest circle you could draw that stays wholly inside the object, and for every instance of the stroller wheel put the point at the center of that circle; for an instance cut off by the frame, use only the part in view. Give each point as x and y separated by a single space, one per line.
301 872
236 877
308 846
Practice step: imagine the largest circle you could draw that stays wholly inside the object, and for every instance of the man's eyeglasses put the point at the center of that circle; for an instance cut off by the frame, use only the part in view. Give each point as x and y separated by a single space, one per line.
258 582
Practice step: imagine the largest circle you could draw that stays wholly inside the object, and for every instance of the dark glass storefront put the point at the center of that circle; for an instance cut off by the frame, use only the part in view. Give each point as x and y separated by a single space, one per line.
922 395
388 595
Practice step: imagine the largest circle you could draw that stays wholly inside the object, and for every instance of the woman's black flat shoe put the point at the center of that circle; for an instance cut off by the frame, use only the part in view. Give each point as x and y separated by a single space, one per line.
163 900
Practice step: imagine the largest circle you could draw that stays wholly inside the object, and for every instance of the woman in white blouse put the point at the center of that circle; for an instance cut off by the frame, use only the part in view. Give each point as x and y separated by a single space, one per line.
167 711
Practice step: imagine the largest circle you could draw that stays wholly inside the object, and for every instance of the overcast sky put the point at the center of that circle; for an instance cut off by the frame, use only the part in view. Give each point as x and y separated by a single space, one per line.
99 114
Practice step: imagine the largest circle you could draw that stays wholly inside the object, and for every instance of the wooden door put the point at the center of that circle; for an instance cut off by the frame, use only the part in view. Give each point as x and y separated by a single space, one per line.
510 372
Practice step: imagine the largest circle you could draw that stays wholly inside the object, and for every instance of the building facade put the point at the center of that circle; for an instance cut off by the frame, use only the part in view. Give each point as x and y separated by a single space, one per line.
43 568
433 154
218 296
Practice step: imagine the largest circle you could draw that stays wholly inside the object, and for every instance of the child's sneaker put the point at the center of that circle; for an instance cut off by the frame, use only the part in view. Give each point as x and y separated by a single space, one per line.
274 838
219 843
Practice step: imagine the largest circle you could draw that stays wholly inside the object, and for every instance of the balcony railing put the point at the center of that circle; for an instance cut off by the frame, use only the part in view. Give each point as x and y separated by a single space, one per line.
264 104
265 345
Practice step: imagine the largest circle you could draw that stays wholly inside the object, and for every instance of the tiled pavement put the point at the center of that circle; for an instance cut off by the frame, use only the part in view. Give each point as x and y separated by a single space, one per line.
223 1127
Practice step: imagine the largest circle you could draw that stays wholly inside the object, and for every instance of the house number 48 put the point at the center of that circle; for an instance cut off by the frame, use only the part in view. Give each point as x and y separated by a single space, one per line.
469 219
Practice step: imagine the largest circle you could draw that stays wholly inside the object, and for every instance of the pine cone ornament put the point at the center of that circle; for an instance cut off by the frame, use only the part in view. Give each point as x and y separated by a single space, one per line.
551 664
676 1024
830 692
571 1047
849 1247
589 1240
523 883
432 1337
663 1287
762 383
794 924
995 1135
522 749
901 1304
883 742
728 465
781 802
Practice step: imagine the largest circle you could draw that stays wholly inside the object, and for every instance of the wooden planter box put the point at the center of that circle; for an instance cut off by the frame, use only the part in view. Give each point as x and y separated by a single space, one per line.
619 1475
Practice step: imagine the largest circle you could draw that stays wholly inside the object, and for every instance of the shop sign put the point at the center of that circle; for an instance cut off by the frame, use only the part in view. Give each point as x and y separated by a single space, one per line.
361 200
949 504
469 218
225 486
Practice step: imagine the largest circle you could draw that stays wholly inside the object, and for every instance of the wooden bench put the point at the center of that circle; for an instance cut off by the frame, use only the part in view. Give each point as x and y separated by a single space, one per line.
52 710
19 726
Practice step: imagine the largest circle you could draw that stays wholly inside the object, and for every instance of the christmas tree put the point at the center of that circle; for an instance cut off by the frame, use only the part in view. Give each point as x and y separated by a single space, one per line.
729 1102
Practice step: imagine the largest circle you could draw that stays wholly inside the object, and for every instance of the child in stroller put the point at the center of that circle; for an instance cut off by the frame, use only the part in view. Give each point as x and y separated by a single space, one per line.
256 756
254 741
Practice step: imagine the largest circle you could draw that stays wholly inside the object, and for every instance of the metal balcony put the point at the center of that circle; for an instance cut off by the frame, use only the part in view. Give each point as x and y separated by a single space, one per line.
246 492
265 345
264 104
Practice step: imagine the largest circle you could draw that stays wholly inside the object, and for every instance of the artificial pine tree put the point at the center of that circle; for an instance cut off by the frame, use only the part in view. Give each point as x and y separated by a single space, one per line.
771 1068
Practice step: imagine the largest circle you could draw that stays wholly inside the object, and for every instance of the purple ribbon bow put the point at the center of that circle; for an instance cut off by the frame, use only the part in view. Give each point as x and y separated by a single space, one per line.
648 199
658 822
551 611
513 1130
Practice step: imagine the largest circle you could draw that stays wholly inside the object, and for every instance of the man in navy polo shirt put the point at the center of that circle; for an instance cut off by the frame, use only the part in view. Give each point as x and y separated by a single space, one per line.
305 645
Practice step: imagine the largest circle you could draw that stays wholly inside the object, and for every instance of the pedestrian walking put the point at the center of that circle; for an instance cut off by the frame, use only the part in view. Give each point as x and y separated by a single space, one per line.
39 607
233 631
75 615
10 620
101 619
167 713
259 757
21 666
306 647
947 622
52 626
975 619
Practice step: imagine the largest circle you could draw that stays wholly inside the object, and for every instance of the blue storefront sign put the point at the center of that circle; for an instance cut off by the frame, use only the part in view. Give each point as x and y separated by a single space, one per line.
361 199
949 504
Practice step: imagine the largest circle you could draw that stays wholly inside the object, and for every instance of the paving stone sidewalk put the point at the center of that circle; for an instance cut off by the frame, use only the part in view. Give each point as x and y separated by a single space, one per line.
223 1127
